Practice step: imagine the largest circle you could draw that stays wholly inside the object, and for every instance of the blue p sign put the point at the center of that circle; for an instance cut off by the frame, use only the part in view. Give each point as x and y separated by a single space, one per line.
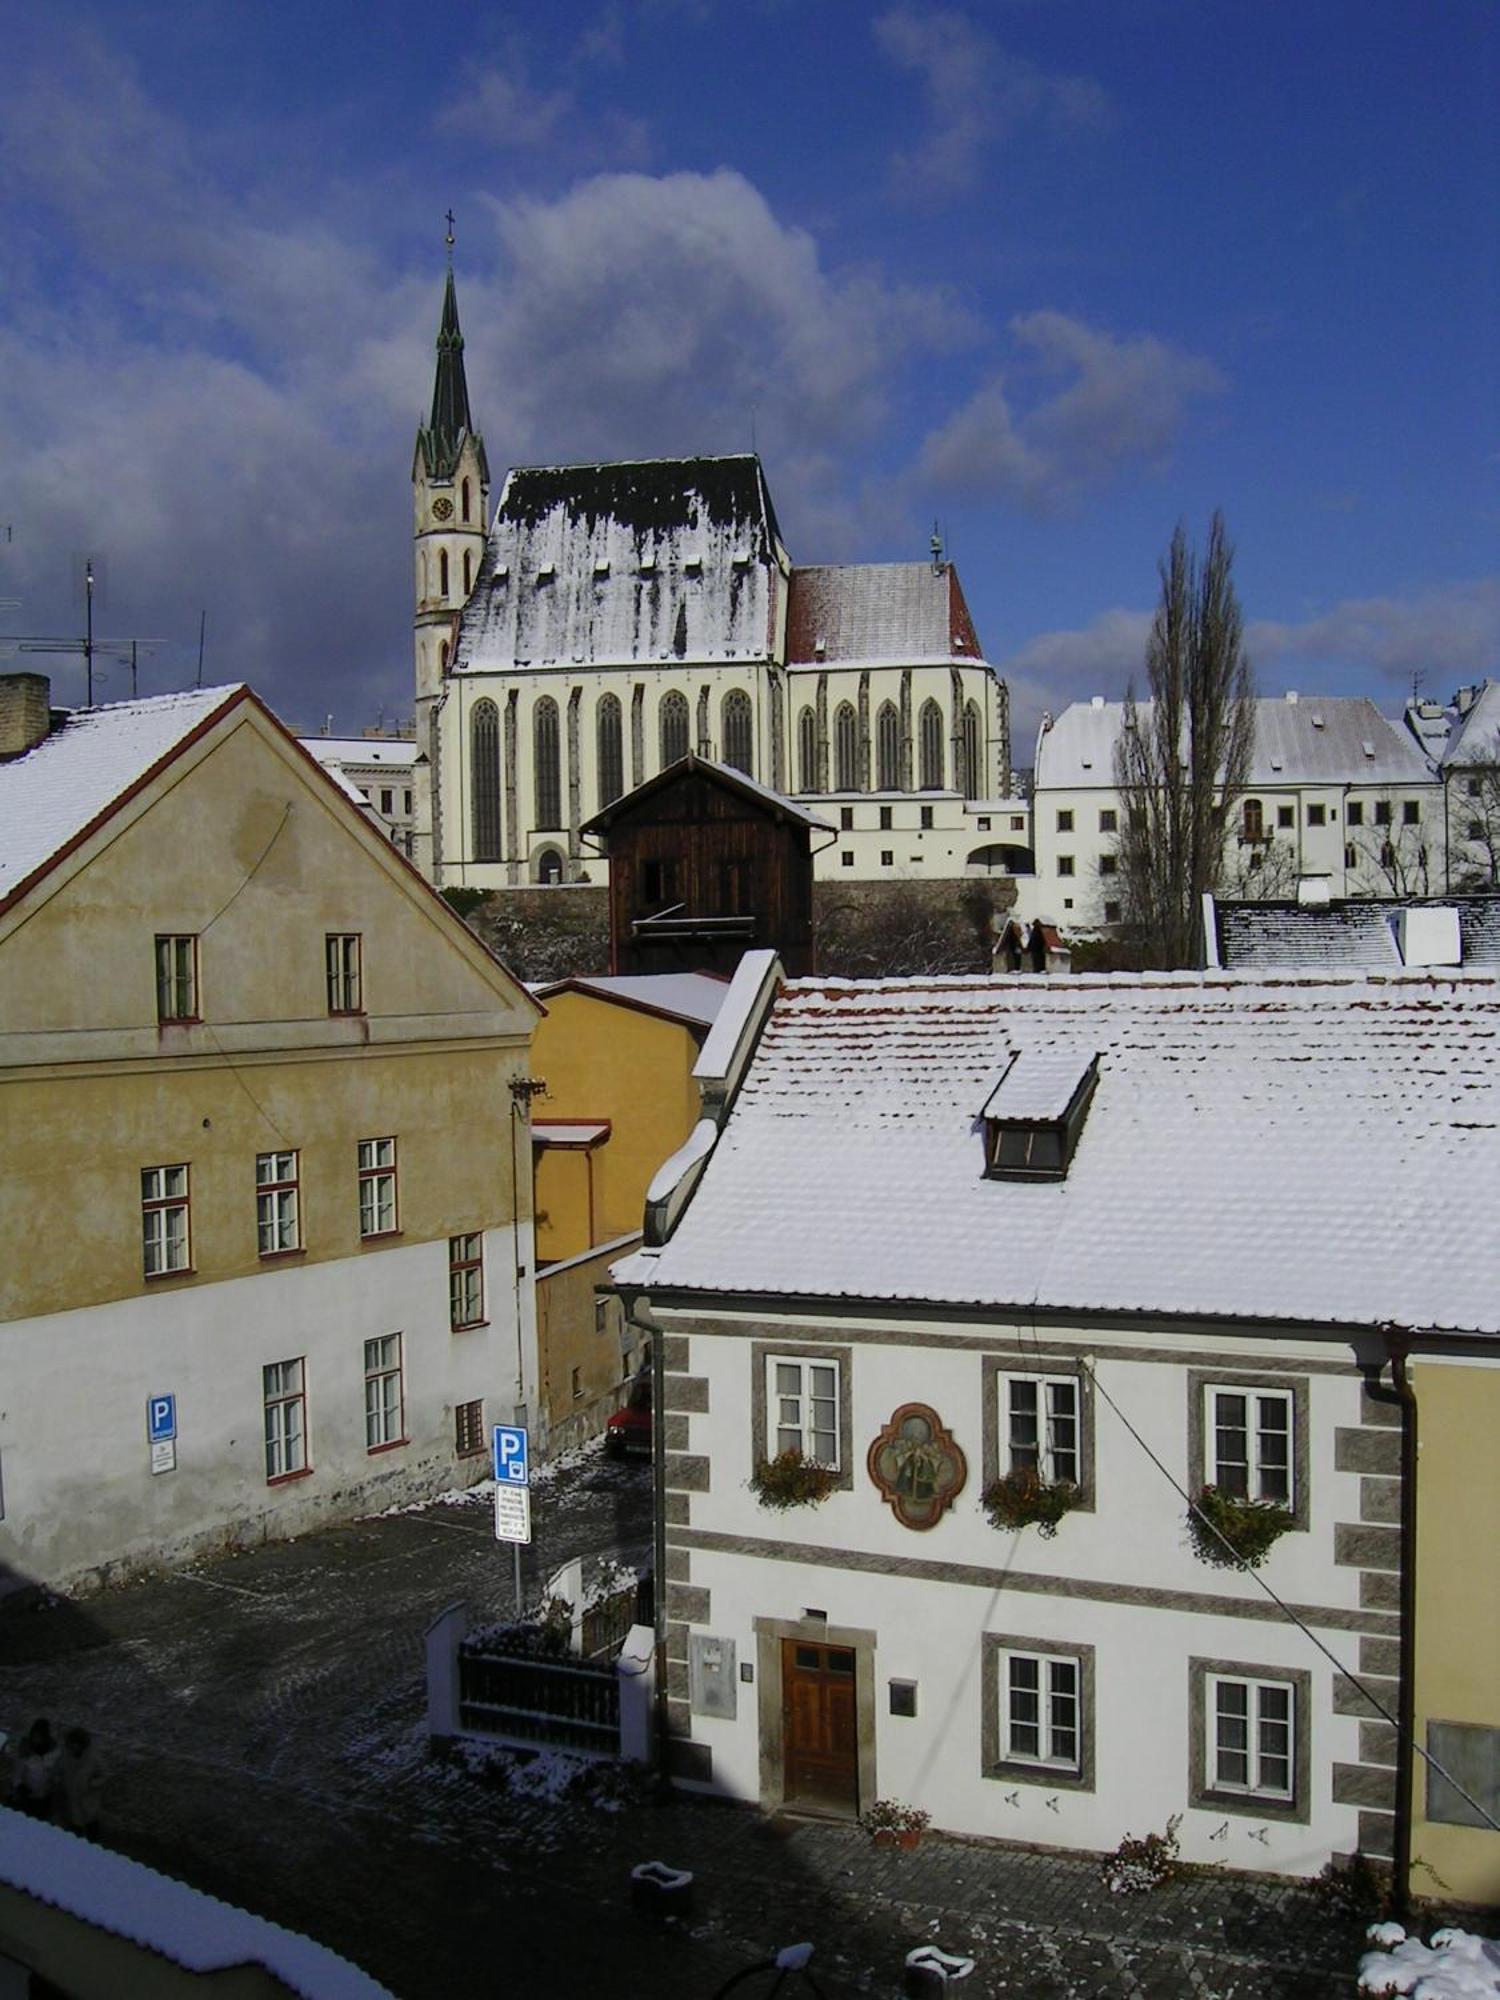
511 1468
161 1416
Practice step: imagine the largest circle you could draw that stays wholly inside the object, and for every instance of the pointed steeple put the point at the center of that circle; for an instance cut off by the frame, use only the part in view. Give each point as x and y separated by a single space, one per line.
441 439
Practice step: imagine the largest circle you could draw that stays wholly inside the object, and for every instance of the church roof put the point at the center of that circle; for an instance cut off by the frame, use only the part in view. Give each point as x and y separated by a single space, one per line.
441 439
643 561
878 612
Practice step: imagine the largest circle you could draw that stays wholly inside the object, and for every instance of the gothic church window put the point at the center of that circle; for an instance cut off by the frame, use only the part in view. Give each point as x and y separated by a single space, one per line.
674 728
807 751
611 749
845 749
931 732
443 573
484 742
968 778
468 573
887 748
738 732
545 752
466 499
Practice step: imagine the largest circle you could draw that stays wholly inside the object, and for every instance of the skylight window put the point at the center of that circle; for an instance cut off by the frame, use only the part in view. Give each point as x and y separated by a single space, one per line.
1317 722
601 566
1035 1113
546 572
693 564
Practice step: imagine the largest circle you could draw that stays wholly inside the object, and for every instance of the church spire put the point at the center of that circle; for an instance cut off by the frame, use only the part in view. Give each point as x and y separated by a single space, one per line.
441 440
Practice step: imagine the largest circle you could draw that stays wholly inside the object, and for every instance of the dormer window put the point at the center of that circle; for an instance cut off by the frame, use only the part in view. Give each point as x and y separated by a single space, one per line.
546 572
693 565
601 566
1035 1113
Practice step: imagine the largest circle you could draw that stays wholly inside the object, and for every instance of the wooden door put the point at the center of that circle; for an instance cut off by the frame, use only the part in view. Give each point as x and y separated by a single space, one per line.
819 1732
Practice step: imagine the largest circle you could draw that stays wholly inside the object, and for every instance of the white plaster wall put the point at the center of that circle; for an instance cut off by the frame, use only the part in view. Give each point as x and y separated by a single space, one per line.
72 1507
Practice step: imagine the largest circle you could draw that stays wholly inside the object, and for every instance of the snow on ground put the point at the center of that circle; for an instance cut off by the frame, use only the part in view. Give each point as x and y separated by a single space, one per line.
1457 1965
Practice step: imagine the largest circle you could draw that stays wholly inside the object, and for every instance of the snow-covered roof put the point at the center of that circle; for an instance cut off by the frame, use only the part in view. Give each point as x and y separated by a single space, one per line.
53 793
1249 1144
727 774
1260 937
1306 740
650 561
360 749
694 997
1476 737
182 1925
569 1134
886 612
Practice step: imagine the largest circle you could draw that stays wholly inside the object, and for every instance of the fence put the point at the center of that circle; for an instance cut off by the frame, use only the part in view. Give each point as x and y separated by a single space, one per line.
604 1627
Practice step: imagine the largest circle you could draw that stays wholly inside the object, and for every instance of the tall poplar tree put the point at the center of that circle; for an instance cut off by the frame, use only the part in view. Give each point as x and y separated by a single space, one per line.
1184 754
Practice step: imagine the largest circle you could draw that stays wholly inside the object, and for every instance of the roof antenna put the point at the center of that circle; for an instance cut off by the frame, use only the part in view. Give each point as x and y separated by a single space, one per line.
936 545
202 628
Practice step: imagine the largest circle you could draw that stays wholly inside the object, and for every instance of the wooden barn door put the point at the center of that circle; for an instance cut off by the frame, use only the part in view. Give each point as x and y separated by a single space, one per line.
818 1726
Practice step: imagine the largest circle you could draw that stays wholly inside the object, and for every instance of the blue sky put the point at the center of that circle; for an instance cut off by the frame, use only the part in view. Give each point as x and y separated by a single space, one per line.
1056 274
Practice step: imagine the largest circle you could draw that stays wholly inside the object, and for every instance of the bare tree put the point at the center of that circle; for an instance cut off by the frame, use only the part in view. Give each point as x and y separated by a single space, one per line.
1181 762
1390 854
1474 826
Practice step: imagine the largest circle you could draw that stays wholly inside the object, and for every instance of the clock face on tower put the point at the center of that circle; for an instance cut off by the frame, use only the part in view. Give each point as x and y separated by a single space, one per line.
442 509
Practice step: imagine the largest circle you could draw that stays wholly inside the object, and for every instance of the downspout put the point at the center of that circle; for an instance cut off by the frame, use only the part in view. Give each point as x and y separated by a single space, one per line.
628 1303
1398 1350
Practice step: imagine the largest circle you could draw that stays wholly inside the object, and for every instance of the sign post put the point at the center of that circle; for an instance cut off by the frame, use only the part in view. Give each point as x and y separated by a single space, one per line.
512 1450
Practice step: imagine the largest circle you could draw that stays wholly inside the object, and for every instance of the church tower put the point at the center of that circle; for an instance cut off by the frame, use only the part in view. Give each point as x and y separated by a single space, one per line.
450 479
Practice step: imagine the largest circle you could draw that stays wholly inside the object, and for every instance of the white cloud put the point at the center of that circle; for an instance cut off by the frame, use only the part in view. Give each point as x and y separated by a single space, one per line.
1449 635
974 93
500 109
1124 402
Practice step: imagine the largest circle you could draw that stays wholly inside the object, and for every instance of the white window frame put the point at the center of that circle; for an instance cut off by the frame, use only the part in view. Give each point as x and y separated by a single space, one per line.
379 1211
1055 1702
343 964
1256 1466
466 1280
385 1392
284 1395
278 1203
166 1220
1048 1451
791 1425
176 976
1253 1784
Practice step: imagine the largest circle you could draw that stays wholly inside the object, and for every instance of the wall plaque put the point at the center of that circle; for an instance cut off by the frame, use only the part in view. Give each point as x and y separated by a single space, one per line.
917 1466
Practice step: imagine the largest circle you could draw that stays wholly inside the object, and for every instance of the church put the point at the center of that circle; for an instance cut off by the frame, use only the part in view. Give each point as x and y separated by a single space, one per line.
611 618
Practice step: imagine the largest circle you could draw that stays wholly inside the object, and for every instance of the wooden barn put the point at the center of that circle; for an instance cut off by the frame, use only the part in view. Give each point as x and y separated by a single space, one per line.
706 864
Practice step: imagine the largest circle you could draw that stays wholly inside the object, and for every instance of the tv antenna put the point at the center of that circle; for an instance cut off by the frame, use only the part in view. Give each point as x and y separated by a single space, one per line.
126 650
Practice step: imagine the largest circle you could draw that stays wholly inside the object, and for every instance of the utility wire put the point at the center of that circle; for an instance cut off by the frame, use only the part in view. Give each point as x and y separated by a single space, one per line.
229 1063
1284 1608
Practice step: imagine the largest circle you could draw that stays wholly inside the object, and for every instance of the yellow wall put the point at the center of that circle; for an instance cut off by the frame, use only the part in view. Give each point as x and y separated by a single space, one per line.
604 1060
578 1332
246 847
1458 1606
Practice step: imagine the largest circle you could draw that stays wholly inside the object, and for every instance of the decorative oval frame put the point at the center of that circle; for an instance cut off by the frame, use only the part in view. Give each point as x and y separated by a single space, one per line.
918 1466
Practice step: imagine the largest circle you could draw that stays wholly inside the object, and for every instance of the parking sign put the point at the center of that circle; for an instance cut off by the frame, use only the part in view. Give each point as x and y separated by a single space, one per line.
512 1467
161 1417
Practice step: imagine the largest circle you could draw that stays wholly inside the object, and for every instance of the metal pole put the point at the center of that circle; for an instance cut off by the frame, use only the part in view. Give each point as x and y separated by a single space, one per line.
88 642
520 1607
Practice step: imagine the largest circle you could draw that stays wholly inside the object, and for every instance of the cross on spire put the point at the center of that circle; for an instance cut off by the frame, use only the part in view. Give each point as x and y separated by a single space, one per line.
448 239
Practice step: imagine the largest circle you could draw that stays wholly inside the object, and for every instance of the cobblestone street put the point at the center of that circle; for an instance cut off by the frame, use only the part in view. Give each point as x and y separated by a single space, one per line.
262 1716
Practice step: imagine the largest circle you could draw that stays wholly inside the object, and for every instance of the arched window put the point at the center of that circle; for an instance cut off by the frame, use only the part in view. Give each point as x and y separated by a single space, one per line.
738 732
887 748
611 749
969 777
1254 820
845 749
484 779
931 732
468 572
674 727
466 499
548 779
549 867
807 750
443 573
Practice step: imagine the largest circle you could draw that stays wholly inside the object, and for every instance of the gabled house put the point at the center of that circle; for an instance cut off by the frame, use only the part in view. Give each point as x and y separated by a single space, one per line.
266 1229
994 1317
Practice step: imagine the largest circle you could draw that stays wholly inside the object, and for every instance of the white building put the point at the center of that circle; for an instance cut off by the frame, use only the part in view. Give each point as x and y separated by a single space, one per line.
1087 1234
378 769
616 616
1337 795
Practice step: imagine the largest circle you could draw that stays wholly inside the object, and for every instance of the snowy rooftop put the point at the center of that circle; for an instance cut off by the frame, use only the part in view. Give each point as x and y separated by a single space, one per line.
1310 739
1277 1149
1260 937
1476 739
647 561
878 612
391 750
694 997
52 794
180 1924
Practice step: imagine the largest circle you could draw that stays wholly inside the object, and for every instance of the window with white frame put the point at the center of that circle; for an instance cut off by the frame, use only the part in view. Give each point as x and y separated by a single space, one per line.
377 1187
383 1392
1249 1436
284 1386
166 1238
278 1210
803 1407
1041 1718
466 1279
344 960
177 978
1041 1426
1251 1737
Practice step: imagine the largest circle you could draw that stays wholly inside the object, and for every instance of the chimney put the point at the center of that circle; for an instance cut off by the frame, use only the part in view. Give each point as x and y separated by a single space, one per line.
25 713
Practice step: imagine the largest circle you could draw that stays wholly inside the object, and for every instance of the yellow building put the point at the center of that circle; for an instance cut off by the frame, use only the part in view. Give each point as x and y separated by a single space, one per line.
264 1245
616 1056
